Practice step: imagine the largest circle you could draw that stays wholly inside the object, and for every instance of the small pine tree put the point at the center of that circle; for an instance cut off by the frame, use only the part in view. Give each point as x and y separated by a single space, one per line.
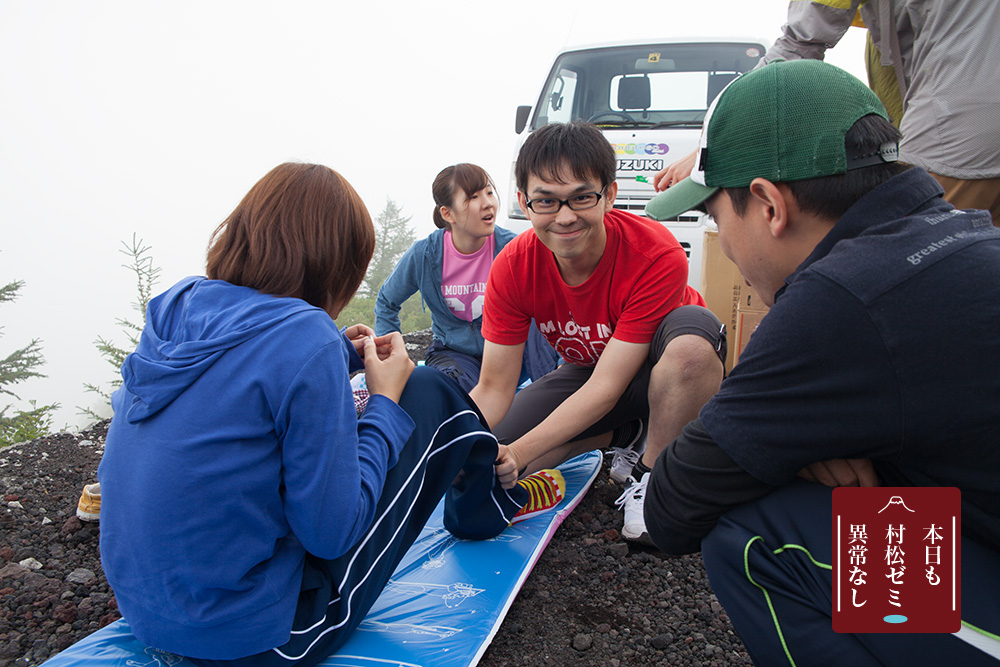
393 237
146 275
18 366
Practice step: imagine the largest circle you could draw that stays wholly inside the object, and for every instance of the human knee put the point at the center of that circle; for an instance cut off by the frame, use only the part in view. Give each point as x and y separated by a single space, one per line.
690 358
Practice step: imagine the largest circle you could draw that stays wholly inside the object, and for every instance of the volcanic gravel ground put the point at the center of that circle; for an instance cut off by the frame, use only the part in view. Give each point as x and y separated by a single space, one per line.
592 600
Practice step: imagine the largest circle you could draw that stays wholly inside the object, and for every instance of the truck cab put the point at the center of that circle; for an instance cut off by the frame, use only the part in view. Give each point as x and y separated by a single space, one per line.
650 101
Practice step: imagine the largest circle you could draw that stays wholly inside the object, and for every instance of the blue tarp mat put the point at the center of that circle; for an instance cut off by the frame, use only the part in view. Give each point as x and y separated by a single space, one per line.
441 608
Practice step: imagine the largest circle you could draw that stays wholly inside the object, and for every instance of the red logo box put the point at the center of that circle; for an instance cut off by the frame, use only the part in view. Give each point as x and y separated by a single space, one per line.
897 559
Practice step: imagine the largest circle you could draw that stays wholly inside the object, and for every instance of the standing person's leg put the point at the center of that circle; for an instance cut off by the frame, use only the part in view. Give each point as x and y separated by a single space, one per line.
769 563
449 441
983 193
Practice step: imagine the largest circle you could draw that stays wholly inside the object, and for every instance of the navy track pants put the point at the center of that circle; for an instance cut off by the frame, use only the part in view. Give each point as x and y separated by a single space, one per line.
450 452
769 565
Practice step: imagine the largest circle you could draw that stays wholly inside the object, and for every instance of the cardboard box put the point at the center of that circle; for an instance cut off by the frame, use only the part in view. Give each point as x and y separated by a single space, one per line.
749 320
750 300
727 295
721 285
750 312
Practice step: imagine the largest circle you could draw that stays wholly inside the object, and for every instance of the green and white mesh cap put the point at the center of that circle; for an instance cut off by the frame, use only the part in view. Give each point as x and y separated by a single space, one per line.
785 121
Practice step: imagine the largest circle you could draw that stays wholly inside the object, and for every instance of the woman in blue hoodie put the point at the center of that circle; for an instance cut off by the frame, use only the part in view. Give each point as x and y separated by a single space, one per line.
250 516
450 268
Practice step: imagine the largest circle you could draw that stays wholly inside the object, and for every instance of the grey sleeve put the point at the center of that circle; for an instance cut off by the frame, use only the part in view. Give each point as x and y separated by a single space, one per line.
812 28
693 483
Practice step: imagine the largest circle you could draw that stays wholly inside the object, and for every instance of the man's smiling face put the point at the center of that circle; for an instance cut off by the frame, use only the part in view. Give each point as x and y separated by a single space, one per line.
576 238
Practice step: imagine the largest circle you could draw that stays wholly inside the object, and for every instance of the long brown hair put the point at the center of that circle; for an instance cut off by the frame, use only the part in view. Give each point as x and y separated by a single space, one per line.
301 231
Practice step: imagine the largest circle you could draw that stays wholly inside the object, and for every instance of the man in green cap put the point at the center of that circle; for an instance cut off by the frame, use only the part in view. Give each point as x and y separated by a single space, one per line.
880 356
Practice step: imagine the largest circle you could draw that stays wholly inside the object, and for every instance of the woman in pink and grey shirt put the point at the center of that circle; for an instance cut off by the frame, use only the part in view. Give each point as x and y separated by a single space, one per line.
450 268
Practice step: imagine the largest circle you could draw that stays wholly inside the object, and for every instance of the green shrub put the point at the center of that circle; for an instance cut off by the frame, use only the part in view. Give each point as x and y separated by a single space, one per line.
361 310
146 275
19 425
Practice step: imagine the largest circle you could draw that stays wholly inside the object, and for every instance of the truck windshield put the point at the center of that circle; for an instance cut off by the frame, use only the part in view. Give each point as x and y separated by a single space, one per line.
654 85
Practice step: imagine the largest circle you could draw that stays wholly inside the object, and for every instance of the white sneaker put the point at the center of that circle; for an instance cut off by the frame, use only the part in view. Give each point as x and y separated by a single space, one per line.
634 527
626 457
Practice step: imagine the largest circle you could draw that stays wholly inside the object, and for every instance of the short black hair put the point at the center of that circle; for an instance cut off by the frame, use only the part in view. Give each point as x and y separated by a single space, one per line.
579 145
830 196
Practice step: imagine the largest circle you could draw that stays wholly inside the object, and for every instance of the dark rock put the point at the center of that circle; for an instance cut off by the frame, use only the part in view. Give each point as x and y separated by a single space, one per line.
14 571
81 576
619 550
65 613
71 526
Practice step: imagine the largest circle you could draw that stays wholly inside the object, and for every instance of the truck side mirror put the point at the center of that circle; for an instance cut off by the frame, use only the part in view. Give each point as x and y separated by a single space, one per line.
521 120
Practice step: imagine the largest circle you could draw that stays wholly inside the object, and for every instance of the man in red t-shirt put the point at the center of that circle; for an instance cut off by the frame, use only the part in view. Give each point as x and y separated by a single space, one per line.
609 291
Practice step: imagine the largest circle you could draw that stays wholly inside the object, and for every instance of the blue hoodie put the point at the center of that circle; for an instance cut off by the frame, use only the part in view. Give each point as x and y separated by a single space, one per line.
235 449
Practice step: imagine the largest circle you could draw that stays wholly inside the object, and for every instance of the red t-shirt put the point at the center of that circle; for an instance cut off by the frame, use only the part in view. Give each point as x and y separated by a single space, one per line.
641 277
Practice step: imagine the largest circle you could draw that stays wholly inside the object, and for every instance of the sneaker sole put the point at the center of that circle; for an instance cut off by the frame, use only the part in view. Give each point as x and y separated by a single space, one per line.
642 538
619 477
88 516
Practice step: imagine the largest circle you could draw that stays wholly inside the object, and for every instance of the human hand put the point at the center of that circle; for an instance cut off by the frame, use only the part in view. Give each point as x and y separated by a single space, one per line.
357 333
507 467
674 173
387 366
841 472
383 345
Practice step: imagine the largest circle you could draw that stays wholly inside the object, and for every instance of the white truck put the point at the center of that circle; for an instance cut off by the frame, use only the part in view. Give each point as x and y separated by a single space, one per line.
650 100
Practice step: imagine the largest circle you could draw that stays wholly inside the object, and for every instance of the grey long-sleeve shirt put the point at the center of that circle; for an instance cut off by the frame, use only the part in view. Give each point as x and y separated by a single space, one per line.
949 56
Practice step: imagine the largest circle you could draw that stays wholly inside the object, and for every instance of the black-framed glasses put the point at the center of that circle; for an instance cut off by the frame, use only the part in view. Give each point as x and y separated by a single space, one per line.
580 202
